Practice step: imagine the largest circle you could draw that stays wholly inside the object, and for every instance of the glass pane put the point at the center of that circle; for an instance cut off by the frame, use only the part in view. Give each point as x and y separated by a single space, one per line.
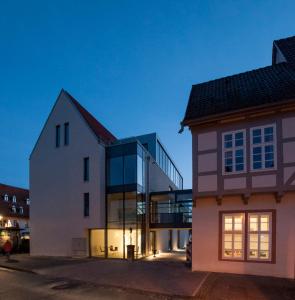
228 224
239 167
239 139
257 132
257 150
97 245
269 164
227 253
268 149
228 237
268 138
115 210
115 243
264 254
257 165
268 130
140 175
238 253
130 169
238 223
256 140
253 223
240 153
115 171
228 245
228 154
264 223
253 254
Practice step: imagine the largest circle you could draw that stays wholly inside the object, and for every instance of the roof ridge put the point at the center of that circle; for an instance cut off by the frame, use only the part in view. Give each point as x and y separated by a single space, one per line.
284 39
242 73
12 187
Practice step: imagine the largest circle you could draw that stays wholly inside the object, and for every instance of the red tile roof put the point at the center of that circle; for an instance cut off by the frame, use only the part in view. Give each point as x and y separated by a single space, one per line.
21 201
100 131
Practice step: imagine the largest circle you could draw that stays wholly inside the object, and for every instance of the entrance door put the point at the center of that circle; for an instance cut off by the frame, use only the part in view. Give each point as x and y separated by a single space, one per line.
152 241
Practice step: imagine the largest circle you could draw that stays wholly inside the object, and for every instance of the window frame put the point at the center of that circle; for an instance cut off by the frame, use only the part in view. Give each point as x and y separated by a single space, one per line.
86 169
259 232
86 200
66 134
233 232
246 258
262 145
233 149
57 136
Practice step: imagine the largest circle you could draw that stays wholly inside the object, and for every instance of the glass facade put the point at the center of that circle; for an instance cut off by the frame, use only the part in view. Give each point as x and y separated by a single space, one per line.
126 167
171 209
166 164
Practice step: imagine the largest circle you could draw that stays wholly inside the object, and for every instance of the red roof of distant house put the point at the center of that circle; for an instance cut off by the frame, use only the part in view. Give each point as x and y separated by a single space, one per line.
21 201
99 130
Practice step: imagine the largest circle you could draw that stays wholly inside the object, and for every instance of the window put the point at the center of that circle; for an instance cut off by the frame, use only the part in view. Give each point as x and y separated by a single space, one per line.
6 198
115 171
233 232
86 169
86 204
234 151
28 201
21 210
57 136
66 134
13 209
259 236
263 147
247 236
14 199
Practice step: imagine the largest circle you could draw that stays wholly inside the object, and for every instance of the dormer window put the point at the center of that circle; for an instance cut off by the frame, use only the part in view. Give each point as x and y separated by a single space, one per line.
28 201
14 199
13 209
6 198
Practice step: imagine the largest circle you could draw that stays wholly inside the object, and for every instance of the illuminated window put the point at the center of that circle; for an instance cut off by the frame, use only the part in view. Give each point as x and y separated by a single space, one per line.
21 210
14 199
234 151
259 236
13 209
28 201
263 150
6 197
233 236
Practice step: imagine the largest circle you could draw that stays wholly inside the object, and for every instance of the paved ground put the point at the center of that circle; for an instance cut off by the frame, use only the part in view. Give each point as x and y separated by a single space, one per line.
162 277
15 285
240 287
118 279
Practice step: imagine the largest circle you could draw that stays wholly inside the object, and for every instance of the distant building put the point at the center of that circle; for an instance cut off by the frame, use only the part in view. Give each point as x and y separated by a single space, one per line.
243 134
14 214
93 194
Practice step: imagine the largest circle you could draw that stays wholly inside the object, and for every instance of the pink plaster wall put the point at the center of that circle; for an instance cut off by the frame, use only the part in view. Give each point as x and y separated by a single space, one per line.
205 234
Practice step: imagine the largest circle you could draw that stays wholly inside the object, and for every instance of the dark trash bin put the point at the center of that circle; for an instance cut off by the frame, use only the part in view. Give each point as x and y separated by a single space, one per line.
130 252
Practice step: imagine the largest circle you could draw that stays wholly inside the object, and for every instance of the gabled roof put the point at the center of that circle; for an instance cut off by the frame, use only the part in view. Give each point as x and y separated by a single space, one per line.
287 48
21 200
265 86
100 131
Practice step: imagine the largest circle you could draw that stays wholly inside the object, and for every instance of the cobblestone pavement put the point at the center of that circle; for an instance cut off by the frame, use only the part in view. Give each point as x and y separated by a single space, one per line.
244 287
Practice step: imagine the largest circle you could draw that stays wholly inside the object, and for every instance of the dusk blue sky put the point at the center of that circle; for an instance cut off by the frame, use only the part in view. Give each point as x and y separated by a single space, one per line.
130 63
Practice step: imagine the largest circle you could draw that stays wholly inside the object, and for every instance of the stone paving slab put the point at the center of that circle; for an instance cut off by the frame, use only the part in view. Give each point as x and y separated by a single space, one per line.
165 278
25 262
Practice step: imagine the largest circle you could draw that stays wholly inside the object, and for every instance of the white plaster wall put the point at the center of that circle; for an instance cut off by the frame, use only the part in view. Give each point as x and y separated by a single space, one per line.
288 127
289 152
207 162
207 183
57 186
207 141
264 181
235 183
205 235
